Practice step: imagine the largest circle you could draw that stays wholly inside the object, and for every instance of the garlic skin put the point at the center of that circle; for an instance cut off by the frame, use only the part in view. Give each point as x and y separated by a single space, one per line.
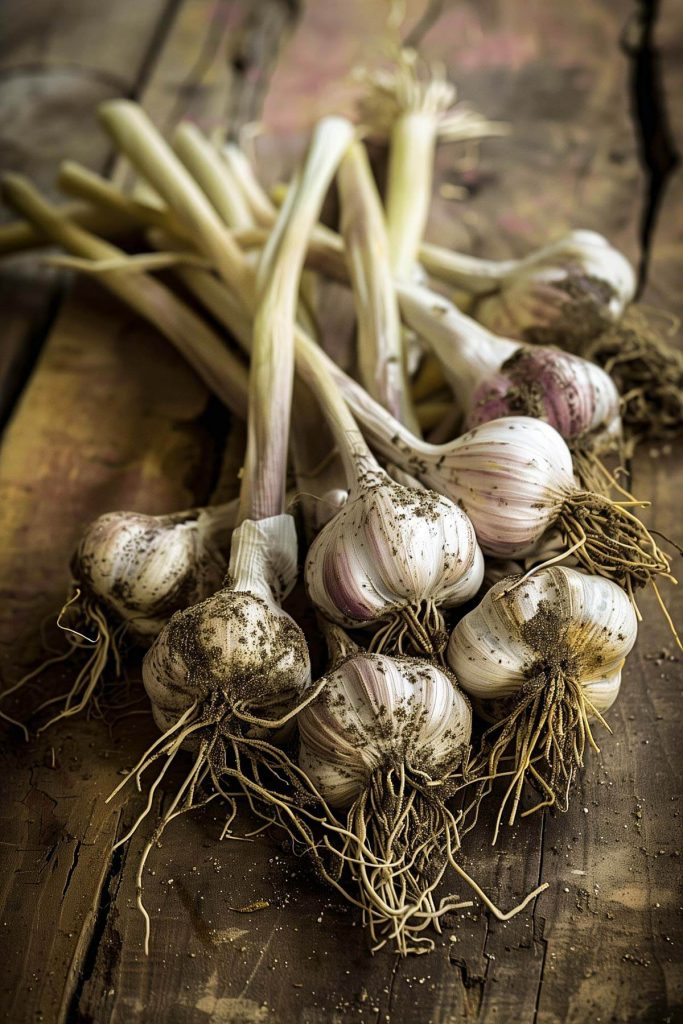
569 285
585 626
234 645
237 646
392 548
143 568
575 396
511 476
376 711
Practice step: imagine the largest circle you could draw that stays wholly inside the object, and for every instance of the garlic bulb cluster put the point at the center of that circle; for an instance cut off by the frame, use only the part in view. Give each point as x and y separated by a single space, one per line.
542 658
142 568
375 712
514 479
393 556
238 648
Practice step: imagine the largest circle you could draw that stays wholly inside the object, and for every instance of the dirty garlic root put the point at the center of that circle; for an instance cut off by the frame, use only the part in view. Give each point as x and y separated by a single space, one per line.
542 659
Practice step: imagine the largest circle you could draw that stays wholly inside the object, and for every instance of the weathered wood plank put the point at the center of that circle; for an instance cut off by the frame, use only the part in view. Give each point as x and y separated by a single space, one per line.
57 60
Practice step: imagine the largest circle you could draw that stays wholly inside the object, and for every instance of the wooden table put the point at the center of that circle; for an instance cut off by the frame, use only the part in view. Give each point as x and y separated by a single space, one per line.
101 415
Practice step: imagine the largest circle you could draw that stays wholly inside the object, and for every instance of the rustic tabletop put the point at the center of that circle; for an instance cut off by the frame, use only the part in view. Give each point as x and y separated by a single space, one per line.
99 414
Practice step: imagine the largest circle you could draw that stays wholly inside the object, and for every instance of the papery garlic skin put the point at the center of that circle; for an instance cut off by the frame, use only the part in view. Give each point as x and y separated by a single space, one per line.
392 547
575 396
376 712
557 620
143 568
238 645
581 270
511 476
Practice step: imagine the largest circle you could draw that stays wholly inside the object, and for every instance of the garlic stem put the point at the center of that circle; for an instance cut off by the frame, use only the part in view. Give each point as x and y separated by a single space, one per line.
318 371
468 353
76 180
222 371
207 168
472 273
20 235
138 138
380 355
262 210
409 187
272 355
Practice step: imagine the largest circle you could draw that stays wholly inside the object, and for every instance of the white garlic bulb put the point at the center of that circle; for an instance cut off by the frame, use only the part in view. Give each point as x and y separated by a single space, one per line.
571 289
231 647
387 739
238 647
143 568
394 556
376 711
542 658
559 619
578 285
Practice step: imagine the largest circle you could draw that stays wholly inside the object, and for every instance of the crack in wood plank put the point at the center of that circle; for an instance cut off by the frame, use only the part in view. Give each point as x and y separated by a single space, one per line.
658 150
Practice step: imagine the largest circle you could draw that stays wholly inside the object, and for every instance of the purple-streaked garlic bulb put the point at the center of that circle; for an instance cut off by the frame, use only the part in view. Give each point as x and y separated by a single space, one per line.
493 376
387 740
393 557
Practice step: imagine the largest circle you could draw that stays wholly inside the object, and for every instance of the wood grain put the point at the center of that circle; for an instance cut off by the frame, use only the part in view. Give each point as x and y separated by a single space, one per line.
55 66
110 418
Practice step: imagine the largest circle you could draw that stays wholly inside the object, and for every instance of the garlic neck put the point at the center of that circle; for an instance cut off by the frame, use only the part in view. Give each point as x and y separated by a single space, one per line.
472 273
467 352
263 558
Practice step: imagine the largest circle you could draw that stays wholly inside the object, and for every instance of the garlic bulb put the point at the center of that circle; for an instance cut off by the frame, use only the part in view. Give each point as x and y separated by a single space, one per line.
541 658
377 710
387 739
570 289
143 568
130 573
575 396
237 649
493 376
394 556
